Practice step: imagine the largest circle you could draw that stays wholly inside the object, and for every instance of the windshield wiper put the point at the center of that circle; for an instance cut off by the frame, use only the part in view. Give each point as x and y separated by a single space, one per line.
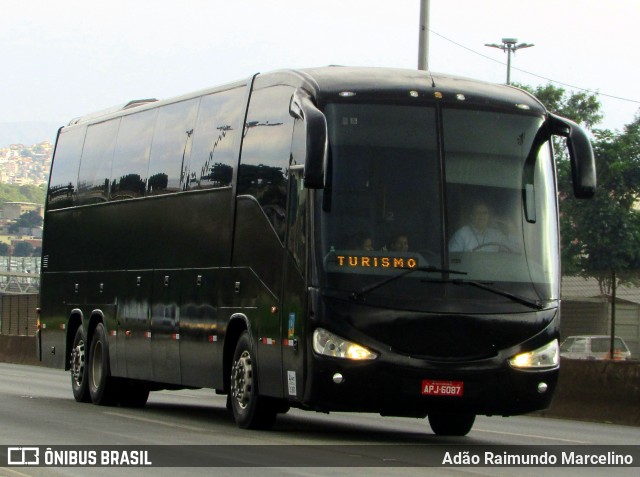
356 295
518 299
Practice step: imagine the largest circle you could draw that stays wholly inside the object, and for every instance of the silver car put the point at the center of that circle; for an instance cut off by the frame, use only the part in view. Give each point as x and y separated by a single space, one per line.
594 347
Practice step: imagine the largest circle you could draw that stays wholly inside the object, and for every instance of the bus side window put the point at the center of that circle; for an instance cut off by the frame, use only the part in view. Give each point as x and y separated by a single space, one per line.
266 153
63 185
171 147
296 242
131 159
214 153
95 167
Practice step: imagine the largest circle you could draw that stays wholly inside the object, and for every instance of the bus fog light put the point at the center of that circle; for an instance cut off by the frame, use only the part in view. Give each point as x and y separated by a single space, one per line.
547 356
338 378
542 388
328 344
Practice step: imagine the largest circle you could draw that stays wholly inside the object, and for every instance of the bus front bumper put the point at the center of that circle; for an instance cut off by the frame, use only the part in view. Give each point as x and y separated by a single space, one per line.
389 389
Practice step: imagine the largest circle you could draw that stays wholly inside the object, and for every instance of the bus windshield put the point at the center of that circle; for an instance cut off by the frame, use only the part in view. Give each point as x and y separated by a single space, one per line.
471 207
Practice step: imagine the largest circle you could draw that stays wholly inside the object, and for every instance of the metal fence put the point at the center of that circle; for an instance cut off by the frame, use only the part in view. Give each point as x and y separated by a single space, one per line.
29 265
19 274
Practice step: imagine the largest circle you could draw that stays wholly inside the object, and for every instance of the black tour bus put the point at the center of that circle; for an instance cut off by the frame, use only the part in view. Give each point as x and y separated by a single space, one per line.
331 239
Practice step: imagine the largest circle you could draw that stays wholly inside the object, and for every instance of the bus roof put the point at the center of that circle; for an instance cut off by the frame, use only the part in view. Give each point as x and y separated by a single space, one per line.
327 83
396 83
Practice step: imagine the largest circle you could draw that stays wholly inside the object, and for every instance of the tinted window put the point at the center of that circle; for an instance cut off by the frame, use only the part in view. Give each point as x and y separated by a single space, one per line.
97 158
171 147
566 346
579 346
131 160
64 174
266 152
603 345
600 345
214 153
297 238
384 179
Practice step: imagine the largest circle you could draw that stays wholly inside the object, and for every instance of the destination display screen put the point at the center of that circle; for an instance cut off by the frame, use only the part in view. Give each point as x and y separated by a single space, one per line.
353 261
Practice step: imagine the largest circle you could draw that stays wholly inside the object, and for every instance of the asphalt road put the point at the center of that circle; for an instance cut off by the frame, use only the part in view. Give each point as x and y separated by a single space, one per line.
37 409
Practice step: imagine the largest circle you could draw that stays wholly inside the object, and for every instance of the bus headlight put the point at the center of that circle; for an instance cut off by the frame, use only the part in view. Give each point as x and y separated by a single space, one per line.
546 357
328 344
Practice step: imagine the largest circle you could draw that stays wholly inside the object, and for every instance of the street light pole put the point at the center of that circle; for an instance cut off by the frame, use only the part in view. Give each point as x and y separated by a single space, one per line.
423 36
510 46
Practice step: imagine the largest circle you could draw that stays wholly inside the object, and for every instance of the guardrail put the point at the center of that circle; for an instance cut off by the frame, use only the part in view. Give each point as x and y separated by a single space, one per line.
19 282
19 274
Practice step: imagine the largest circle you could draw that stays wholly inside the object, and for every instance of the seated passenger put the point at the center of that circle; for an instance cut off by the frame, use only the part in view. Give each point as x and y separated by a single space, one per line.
366 244
399 244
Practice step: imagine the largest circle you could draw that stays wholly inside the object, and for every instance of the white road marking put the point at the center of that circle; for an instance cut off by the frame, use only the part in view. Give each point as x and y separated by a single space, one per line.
533 436
155 421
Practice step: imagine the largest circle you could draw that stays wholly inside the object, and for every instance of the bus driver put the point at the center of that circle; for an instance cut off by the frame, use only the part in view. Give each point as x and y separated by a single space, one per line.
480 236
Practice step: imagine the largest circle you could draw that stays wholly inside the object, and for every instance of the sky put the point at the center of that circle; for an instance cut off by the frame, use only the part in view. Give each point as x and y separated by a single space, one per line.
65 58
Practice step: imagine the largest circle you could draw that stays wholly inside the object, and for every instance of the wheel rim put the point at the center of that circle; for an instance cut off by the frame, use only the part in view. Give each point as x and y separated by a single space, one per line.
77 363
242 380
96 365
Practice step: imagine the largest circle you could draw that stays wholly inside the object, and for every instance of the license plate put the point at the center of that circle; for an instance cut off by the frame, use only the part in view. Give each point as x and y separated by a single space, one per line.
442 388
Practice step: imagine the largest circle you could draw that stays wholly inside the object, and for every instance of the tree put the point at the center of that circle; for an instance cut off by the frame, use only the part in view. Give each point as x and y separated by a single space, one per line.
22 249
583 108
600 237
27 220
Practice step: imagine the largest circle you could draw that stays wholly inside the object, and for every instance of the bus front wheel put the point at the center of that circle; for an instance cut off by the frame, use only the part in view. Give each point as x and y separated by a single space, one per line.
250 410
449 424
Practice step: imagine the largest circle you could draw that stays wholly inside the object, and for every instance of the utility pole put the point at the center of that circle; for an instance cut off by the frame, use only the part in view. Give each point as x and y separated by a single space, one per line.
423 38
612 342
509 45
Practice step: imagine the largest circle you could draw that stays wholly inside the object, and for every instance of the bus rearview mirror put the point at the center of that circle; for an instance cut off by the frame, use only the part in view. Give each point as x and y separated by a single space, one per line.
583 166
302 107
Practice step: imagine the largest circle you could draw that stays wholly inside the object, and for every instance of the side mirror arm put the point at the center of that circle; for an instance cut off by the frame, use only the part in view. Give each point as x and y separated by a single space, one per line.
303 108
583 165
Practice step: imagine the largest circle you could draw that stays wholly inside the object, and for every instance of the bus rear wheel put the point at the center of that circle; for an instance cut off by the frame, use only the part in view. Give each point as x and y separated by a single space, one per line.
78 367
102 387
450 424
250 410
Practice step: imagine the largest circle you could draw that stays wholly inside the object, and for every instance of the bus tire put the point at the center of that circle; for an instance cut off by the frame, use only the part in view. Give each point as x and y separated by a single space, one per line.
102 387
450 424
79 368
250 410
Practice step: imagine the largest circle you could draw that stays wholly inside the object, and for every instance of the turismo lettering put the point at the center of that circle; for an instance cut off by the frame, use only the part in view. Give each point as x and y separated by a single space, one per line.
376 262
